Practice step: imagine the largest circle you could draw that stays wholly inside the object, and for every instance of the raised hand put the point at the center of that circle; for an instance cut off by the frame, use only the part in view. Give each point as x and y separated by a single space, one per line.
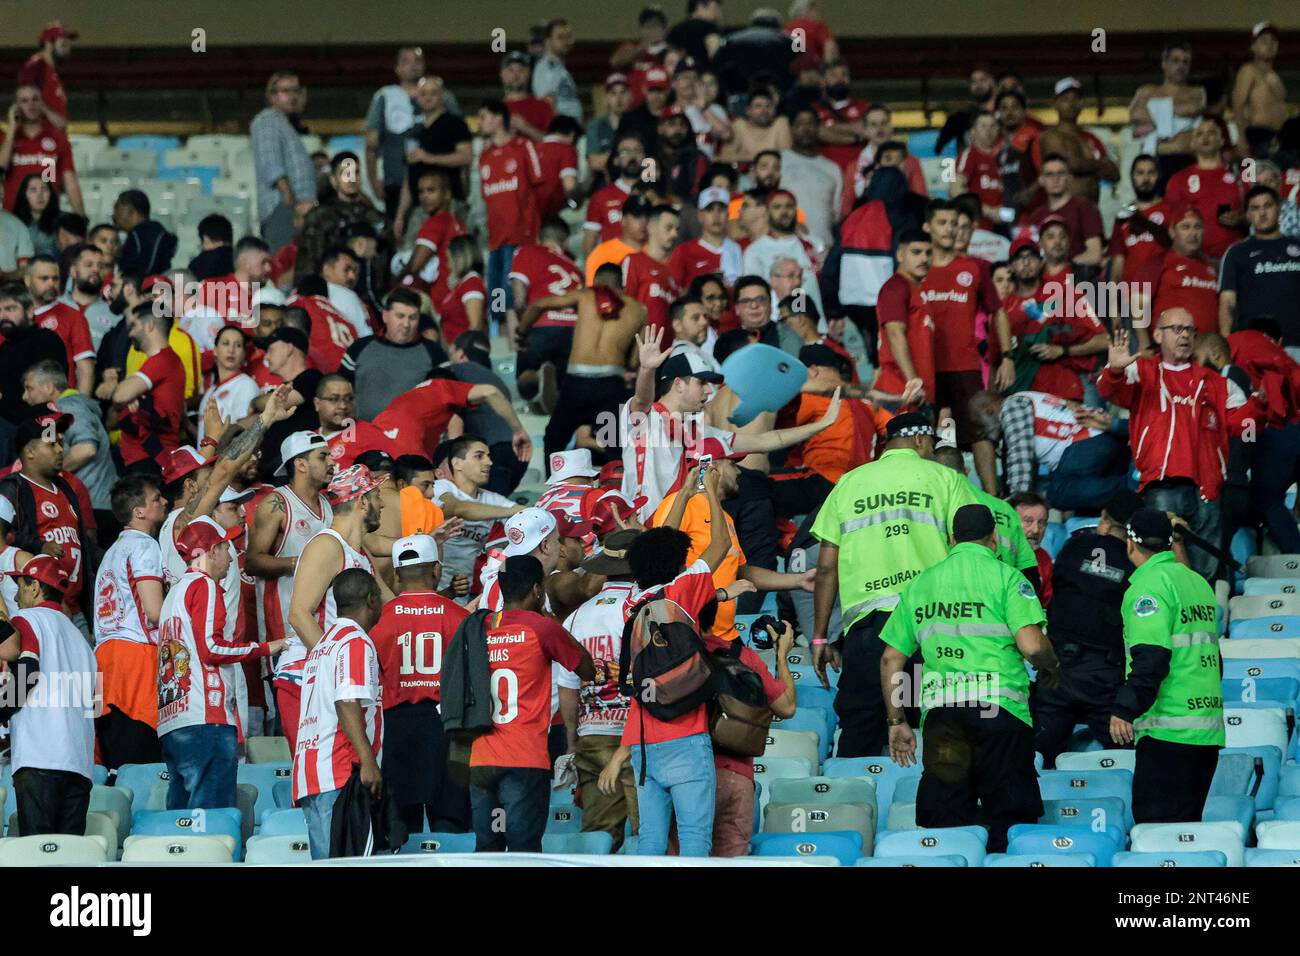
1118 356
648 342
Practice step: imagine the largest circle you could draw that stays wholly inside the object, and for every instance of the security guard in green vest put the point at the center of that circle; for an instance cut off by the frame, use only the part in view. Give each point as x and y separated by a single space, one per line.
883 524
1013 547
1172 698
976 621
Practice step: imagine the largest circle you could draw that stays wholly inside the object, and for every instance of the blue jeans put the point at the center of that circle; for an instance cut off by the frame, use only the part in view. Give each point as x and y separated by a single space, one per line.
1089 473
202 763
498 277
1203 517
1276 465
523 797
319 811
679 779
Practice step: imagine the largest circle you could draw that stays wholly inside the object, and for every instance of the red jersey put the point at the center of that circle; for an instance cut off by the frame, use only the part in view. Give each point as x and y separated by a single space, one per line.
435 235
651 283
1025 140
1142 254
358 438
843 155
1063 325
952 294
692 258
411 637
33 155
546 273
605 210
331 332
57 522
1211 191
536 112
509 174
451 310
415 421
521 647
37 71
900 301
69 324
151 425
983 176
558 159
1189 284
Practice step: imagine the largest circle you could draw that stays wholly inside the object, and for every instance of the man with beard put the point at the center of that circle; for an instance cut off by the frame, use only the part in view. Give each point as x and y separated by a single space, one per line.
782 241
714 252
680 162
1140 239
42 71
961 121
642 121
149 404
64 320
605 208
22 344
86 295
228 297
817 182
1084 152
1164 114
327 224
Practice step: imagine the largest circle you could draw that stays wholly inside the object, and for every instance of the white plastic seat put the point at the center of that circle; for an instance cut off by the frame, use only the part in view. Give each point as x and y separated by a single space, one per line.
1256 727
1098 760
179 849
53 850
140 162
1246 607
1273 566
268 750
801 744
1234 649
195 156
1278 835
1226 836
278 850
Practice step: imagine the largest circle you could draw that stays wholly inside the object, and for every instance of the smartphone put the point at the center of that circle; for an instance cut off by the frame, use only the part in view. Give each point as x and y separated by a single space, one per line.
705 462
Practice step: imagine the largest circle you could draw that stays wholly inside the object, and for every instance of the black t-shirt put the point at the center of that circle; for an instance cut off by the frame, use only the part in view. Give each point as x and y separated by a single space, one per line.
1089 578
303 419
1265 274
443 135
22 348
689 35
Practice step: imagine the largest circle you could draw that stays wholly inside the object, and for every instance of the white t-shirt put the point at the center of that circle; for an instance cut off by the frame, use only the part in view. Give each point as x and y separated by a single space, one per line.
654 452
234 398
55 728
350 307
132 558
598 626
460 553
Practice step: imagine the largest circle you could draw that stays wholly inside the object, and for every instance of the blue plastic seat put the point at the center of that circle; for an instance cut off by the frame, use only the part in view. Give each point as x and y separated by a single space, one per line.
1277 626
1086 812
882 771
1288 780
347 144
1078 524
597 843
264 776
1075 784
937 859
1226 807
844 845
282 793
1260 668
1268 764
99 774
812 719
1040 859
140 779
967 842
800 657
206 175
1251 690
766 376
563 818
225 821
159 144
439 843
1255 857
289 822
1047 838
1254 586
1054 538
1191 858
808 691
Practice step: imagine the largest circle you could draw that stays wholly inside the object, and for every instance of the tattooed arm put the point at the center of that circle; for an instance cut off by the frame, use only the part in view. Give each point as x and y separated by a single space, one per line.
268 522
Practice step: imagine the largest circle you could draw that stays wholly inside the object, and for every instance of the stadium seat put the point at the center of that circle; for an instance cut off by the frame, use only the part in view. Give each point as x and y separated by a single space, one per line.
1257 586
563 818
629 846
881 770
797 744
1040 859
439 843
919 860
264 777
221 822
808 691
347 144
824 790
1255 728
179 849
1240 809
809 720
1274 566
767 769
1278 835
131 162
1054 539
1078 524
140 779
1089 812
195 156
158 144
1268 648
277 850
1246 607
268 750
1237 690
1258 857
282 791
844 845
205 175
967 842
822 818
1261 669
597 843
290 822
1192 858
98 774
1265 627
1098 760
1076 784
53 850
1036 838
1262 766
116 803
1227 837
98 823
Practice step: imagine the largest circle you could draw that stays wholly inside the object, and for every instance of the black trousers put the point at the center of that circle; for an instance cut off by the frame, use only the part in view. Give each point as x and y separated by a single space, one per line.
754 513
1089 679
979 769
51 801
858 702
123 739
1171 781
793 497
586 401
416 772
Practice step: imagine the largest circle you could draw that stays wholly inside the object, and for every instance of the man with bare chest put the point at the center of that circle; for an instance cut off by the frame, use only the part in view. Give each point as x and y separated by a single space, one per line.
594 384
1258 97
1163 114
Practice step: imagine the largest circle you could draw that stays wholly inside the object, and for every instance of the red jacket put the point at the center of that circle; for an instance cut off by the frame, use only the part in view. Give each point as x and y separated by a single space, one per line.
1179 421
1272 371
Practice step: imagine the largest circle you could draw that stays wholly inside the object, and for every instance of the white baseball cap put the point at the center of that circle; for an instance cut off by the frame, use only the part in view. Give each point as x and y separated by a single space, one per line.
571 464
526 530
415 549
711 195
299 443
6 511
268 295
231 496
1067 83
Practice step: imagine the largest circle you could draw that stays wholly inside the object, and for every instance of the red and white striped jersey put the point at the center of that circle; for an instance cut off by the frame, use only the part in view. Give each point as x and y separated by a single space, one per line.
301 524
8 585
194 686
134 557
566 500
1055 428
342 666
292 659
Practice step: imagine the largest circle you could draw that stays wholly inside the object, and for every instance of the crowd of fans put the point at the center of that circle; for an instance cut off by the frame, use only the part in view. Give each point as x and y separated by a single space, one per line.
269 486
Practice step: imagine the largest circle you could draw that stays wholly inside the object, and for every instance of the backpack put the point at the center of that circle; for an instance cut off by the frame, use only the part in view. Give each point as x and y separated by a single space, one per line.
739 715
467 704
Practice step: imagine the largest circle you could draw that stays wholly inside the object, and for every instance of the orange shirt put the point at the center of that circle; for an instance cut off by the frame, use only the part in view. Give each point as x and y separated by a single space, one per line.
696 524
419 514
612 251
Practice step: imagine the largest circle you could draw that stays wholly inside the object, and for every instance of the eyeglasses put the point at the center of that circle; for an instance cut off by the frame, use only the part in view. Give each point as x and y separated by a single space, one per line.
337 399
752 300
1178 329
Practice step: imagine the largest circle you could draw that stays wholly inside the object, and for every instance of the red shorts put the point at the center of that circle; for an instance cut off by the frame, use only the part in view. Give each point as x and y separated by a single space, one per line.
288 698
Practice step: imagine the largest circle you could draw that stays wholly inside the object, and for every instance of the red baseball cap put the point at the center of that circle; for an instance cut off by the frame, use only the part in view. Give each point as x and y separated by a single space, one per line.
55 29
656 78
202 535
1020 245
616 79
1179 213
182 461
611 473
1053 220
712 447
43 568
671 110
352 483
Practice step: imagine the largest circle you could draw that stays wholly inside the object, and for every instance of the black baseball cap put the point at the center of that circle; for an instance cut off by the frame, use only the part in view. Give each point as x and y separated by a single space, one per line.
517 56
908 425
34 427
823 355
295 337
1151 529
637 205
972 523
377 460
686 365
1123 505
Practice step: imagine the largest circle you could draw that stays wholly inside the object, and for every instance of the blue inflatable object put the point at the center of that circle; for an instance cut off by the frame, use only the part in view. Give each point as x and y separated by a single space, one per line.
764 377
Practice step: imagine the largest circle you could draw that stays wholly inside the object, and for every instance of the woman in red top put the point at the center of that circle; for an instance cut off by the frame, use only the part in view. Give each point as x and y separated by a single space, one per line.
464 308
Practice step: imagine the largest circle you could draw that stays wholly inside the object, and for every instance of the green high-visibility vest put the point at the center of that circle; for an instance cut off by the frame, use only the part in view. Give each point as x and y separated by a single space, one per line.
890 520
1013 547
1169 605
963 614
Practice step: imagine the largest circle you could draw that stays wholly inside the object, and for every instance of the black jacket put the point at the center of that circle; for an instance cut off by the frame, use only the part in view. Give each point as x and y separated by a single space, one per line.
1089 578
213 263
148 249
466 686
362 825
22 348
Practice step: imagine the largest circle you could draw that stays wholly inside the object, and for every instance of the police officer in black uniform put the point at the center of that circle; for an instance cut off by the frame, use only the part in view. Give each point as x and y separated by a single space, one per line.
1084 625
